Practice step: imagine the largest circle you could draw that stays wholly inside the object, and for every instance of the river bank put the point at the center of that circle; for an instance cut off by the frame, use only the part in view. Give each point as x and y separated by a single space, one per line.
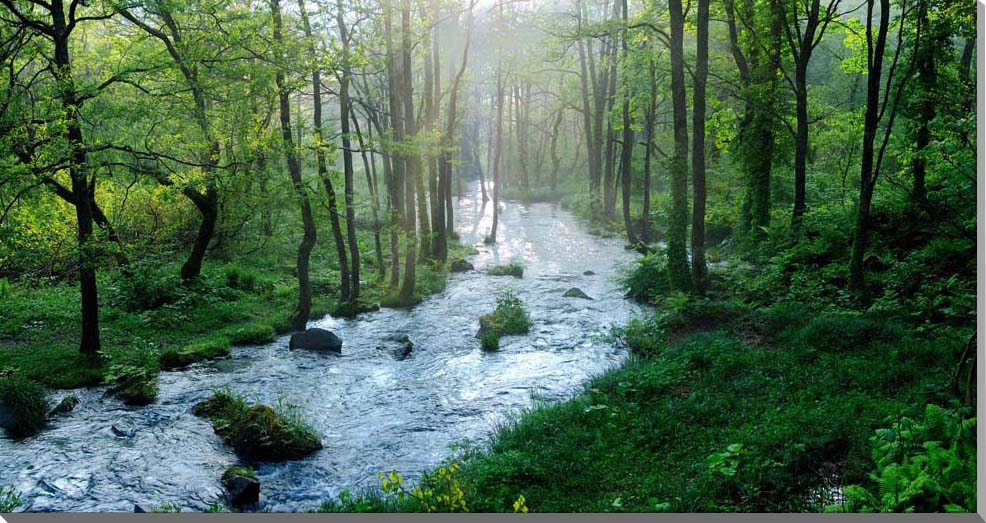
373 411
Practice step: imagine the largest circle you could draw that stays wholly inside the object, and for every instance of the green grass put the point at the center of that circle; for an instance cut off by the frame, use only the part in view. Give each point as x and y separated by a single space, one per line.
259 432
27 403
489 340
208 348
509 317
656 433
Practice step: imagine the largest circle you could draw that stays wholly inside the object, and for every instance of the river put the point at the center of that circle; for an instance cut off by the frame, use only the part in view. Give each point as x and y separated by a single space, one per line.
373 411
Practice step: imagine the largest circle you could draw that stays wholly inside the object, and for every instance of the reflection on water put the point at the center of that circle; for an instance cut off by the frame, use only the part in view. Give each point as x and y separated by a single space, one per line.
372 411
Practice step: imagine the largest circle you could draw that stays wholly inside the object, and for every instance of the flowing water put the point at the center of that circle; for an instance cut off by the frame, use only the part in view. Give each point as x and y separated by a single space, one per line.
373 411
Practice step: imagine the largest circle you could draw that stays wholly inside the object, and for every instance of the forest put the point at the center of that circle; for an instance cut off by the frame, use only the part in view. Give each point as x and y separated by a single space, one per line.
488 255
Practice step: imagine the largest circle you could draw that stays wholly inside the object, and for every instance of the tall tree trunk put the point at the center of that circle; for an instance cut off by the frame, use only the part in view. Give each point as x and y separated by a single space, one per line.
626 160
398 160
497 150
871 123
646 234
345 288
413 162
698 144
370 168
678 272
347 156
300 317
82 186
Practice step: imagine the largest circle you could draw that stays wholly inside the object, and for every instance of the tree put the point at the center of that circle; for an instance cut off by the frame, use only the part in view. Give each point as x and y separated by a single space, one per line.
678 271
698 147
301 314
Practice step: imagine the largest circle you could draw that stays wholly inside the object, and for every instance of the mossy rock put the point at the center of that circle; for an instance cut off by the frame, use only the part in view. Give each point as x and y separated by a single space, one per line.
576 292
136 392
174 358
242 486
395 301
66 405
258 432
264 435
24 406
513 269
460 265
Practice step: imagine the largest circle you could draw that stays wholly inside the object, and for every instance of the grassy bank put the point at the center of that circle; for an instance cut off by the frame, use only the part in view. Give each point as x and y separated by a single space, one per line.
722 408
149 320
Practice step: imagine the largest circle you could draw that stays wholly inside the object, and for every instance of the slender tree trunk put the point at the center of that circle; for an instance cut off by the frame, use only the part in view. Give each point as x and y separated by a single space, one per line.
871 123
678 271
398 160
413 160
345 287
648 153
498 150
370 168
300 317
698 145
347 156
627 150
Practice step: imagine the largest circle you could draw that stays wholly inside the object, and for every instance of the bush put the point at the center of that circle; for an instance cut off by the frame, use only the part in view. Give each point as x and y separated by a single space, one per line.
242 278
213 347
647 279
258 431
509 317
144 285
513 269
922 465
28 404
489 340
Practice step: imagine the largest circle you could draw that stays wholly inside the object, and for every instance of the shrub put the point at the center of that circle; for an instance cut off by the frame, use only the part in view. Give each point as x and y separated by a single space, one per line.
509 317
241 278
489 340
212 347
144 285
513 269
647 278
258 431
27 403
922 465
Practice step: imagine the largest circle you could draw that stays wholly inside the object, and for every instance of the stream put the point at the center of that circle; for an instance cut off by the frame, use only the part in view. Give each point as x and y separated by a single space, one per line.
373 411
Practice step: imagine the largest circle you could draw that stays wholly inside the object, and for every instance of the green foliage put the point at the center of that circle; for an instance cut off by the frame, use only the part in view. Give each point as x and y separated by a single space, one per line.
243 278
259 432
133 376
254 333
27 404
208 348
489 340
512 269
146 284
509 317
746 409
647 279
167 507
922 465
10 500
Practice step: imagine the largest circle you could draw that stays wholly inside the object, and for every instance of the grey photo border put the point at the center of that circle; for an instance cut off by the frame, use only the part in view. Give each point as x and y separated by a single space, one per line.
687 518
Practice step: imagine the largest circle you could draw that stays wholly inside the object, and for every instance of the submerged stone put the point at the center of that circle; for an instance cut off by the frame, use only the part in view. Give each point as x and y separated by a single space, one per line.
461 265
67 404
588 273
316 339
576 292
242 487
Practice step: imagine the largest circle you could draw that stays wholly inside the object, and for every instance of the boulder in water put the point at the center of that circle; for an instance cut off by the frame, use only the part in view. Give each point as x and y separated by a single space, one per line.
65 406
316 339
242 487
139 509
460 265
588 273
576 292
